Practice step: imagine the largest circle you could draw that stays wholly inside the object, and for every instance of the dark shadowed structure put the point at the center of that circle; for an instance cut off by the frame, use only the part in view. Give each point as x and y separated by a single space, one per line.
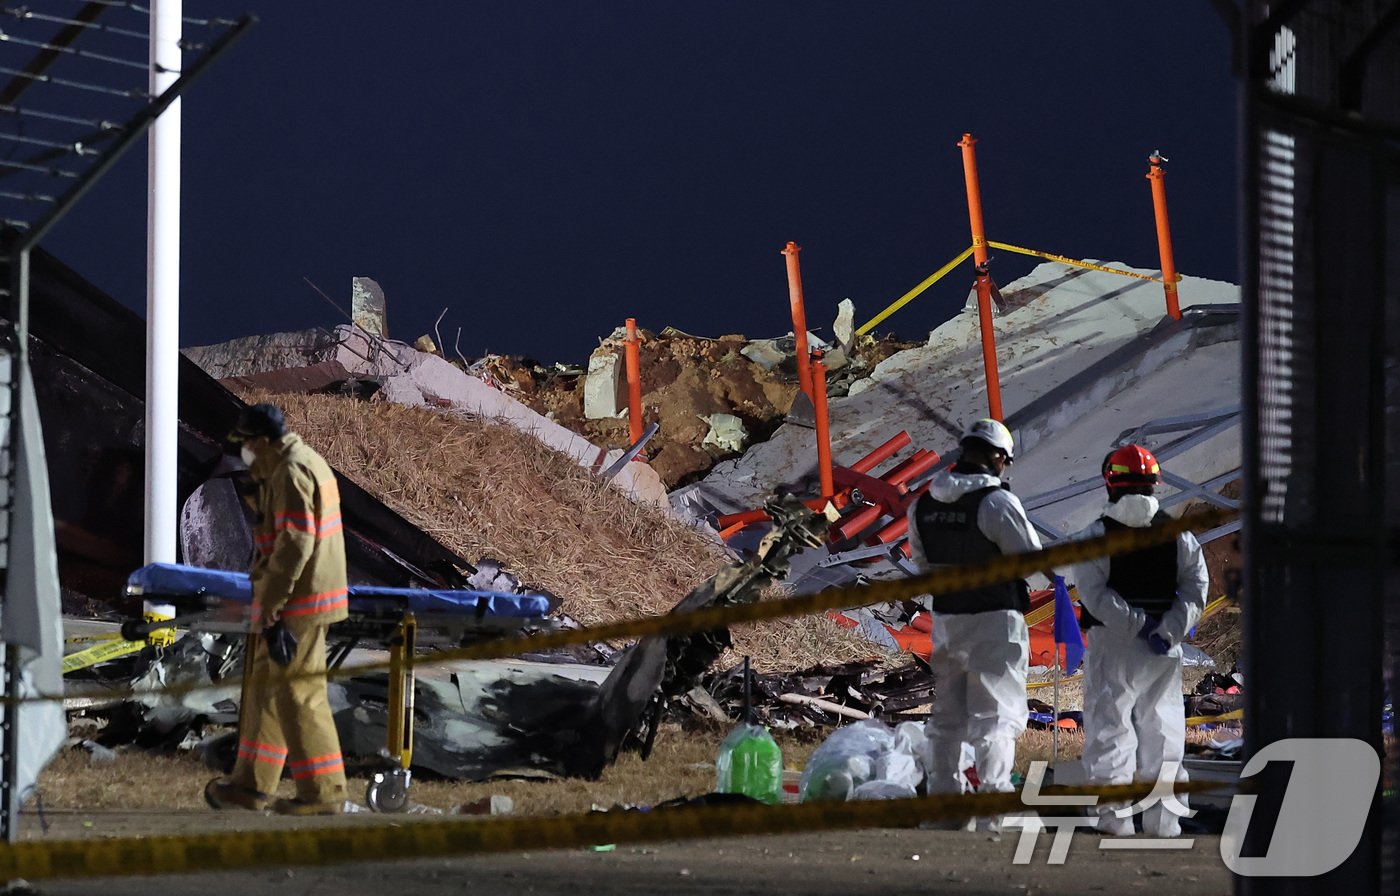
1322 371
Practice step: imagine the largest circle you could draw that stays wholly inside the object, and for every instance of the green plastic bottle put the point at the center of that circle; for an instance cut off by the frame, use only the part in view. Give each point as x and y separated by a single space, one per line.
750 761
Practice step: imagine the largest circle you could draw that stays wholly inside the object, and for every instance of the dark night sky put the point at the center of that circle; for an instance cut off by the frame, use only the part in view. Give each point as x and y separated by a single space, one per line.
547 169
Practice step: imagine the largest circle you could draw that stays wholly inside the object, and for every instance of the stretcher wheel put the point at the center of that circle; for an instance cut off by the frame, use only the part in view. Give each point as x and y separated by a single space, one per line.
388 791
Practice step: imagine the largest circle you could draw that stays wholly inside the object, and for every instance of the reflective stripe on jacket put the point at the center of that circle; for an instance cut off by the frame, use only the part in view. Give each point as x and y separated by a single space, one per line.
300 570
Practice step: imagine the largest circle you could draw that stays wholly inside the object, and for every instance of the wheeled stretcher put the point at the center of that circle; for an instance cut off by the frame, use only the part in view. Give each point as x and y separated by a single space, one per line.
389 618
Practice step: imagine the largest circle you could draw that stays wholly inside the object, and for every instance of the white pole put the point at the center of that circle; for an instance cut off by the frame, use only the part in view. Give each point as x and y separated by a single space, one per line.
1055 713
163 295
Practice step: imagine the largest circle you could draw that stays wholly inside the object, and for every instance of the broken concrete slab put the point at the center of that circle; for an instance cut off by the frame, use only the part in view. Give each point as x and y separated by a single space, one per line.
260 354
214 529
835 359
845 324
347 344
367 307
764 352
604 386
320 377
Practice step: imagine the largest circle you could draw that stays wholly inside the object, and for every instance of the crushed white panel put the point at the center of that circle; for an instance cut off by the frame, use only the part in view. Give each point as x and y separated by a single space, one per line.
727 432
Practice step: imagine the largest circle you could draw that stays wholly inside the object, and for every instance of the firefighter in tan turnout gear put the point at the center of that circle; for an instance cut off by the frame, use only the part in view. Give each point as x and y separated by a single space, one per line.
299 589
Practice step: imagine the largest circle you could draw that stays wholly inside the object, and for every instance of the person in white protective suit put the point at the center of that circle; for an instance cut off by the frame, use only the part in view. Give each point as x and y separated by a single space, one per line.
1136 609
980 643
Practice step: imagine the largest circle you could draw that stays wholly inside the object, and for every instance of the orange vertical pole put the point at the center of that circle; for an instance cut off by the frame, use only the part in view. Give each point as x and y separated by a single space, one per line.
634 383
799 320
974 199
984 278
823 429
1158 176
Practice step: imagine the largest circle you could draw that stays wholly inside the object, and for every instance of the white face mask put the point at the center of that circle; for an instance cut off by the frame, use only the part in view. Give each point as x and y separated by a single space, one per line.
247 454
1134 510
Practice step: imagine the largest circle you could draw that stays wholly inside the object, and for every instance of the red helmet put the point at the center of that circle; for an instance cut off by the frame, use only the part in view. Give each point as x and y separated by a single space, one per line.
1131 465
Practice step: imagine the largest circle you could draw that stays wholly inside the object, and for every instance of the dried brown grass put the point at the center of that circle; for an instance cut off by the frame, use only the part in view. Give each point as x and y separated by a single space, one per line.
1222 637
681 764
483 488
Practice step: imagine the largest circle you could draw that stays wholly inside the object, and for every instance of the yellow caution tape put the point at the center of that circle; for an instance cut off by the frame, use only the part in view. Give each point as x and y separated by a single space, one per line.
101 653
941 581
1040 614
164 636
1232 715
88 639
912 294
430 838
1006 247
1214 607
1033 685
1046 610
1075 262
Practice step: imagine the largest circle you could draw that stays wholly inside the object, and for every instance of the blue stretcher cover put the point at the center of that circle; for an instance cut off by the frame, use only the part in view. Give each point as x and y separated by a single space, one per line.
176 580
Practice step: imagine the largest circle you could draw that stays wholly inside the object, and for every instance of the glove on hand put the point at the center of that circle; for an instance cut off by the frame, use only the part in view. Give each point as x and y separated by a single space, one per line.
281 643
1149 627
1160 646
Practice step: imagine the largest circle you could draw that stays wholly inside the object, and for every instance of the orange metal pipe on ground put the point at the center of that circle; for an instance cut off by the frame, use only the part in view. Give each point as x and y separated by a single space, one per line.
1158 176
742 518
799 321
912 468
634 383
984 278
881 454
823 431
853 525
893 532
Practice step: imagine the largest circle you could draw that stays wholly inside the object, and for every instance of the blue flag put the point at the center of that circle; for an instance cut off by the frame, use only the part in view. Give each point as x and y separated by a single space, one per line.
1067 627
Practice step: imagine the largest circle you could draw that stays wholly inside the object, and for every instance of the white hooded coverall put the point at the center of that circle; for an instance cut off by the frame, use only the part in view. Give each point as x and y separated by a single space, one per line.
1134 715
979 660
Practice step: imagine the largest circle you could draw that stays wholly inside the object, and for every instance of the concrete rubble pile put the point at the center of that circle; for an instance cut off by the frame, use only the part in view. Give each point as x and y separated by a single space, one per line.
351 358
712 397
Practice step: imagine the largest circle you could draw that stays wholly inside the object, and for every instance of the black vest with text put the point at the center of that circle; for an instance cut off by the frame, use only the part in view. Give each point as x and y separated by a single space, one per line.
1145 578
951 538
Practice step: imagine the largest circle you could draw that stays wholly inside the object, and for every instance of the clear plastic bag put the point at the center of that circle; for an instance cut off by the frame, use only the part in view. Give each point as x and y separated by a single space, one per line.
866 760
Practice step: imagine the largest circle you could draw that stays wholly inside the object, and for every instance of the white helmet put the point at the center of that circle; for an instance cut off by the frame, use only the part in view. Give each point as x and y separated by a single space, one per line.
993 433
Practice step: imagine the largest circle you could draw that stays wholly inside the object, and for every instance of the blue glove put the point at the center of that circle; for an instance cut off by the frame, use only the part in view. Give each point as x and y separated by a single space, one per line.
1149 627
1160 646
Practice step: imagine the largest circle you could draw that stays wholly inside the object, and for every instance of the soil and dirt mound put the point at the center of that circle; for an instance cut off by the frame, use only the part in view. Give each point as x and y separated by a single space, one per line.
684 378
